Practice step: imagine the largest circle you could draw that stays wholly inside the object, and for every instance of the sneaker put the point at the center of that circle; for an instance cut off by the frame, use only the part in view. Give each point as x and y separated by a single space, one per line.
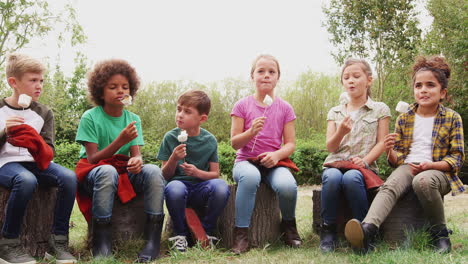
12 252
179 242
58 250
213 241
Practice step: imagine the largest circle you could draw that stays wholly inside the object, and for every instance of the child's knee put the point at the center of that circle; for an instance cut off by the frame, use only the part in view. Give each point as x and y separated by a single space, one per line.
175 190
26 182
153 175
422 186
220 188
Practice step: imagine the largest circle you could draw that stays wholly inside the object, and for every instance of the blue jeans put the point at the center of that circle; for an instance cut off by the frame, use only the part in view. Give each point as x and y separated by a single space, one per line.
248 179
102 182
207 197
22 178
351 184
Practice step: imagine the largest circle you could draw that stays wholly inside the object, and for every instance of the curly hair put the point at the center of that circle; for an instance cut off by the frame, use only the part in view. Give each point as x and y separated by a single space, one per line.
103 71
435 64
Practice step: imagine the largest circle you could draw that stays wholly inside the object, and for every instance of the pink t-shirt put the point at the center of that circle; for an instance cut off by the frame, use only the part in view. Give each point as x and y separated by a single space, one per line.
270 138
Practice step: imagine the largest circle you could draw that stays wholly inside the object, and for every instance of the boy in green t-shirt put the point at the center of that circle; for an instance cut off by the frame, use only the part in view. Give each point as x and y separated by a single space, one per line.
189 157
111 162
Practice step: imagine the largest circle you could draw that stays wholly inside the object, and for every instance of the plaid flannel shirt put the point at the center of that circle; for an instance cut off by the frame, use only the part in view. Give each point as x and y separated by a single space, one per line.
447 141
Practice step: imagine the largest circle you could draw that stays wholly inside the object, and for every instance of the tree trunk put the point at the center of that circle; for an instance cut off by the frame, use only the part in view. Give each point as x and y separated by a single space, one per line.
343 213
265 222
38 219
128 221
406 215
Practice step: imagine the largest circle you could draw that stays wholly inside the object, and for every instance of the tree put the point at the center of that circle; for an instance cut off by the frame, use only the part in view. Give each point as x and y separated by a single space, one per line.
447 36
24 20
66 96
312 96
384 31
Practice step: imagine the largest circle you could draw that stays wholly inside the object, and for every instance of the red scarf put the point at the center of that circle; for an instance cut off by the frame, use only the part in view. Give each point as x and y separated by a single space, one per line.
288 163
370 178
124 190
27 137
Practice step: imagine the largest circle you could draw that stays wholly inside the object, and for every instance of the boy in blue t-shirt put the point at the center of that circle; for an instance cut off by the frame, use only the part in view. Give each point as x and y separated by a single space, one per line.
189 157
111 162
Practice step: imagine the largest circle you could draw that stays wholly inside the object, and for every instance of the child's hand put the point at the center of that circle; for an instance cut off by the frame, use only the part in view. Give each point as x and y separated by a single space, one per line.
268 159
417 168
180 152
134 165
257 125
13 121
345 126
358 161
129 133
389 141
189 169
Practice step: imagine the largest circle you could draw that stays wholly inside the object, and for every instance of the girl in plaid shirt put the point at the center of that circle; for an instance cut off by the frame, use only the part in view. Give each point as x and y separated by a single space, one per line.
428 150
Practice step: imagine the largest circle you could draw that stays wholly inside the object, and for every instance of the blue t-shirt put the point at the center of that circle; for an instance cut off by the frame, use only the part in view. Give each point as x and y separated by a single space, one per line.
201 150
98 127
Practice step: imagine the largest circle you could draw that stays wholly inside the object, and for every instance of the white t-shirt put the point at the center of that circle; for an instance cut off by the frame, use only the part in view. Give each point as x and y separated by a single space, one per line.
421 147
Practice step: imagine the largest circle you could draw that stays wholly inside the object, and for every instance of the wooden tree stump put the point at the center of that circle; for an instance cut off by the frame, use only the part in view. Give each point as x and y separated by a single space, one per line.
343 216
407 214
128 221
265 222
38 219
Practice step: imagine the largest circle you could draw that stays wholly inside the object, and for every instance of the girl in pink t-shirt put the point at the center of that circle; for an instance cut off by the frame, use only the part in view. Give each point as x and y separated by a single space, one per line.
266 133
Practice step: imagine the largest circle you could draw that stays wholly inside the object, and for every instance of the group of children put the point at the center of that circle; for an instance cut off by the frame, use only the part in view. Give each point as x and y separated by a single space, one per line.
263 134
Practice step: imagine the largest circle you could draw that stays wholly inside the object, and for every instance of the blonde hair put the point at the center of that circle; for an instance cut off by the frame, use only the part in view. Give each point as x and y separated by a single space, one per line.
264 56
364 66
19 64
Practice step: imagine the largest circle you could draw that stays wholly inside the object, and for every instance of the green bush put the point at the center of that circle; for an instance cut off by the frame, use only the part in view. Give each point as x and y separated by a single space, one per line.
309 157
227 156
66 154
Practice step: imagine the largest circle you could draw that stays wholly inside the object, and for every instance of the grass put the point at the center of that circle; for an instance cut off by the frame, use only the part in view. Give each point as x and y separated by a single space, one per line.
414 250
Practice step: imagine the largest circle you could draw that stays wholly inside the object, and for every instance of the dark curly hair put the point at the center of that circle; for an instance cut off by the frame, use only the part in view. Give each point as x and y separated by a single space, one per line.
103 71
437 65
439 68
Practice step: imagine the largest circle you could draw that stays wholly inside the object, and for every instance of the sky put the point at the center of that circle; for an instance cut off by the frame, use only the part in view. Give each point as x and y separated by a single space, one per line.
203 40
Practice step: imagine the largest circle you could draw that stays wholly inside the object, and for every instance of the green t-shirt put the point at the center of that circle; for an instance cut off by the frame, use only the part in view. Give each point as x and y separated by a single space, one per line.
201 150
98 127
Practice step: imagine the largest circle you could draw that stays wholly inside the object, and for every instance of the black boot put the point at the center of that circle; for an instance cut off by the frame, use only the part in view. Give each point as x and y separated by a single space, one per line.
241 240
102 238
361 236
290 235
440 239
153 227
328 237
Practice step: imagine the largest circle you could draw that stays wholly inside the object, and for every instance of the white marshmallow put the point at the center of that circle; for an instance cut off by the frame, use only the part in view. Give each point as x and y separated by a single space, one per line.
183 136
402 107
344 98
268 100
127 100
24 100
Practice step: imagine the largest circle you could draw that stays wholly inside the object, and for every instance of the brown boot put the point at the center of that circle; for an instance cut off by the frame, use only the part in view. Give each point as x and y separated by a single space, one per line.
290 235
241 240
